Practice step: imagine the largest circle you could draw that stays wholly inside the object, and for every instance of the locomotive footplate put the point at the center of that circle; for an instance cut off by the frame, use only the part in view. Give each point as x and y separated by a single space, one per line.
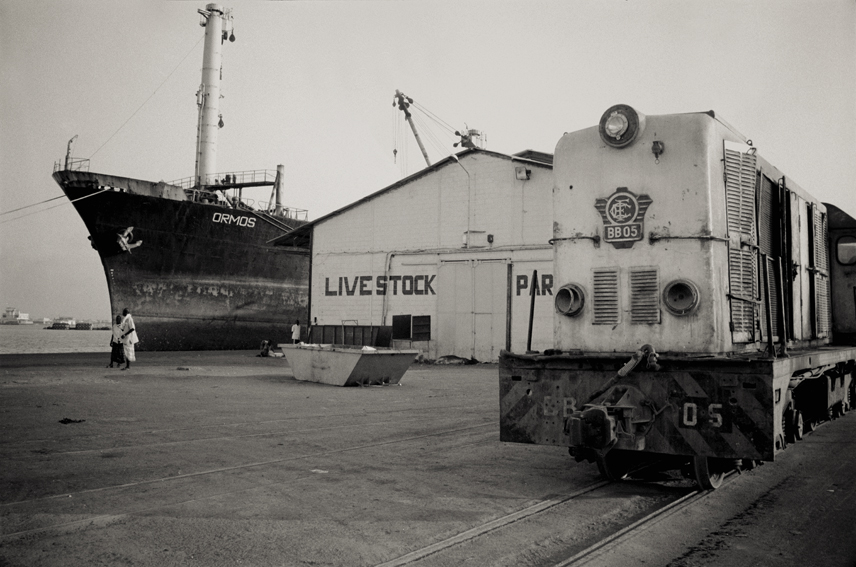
716 407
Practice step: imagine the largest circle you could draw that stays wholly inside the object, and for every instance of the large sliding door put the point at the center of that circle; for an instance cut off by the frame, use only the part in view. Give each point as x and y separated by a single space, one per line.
472 308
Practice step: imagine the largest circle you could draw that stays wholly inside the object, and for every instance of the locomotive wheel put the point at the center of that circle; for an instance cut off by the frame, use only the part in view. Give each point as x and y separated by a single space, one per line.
792 424
614 465
797 425
707 474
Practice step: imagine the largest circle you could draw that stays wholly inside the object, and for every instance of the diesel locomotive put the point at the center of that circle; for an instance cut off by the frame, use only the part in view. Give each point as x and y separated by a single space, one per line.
705 312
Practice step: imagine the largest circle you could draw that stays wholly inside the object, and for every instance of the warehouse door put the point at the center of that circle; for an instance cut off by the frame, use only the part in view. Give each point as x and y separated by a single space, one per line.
472 309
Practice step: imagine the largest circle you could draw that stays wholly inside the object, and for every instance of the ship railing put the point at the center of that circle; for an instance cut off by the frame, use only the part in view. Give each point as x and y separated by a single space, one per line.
71 164
227 180
268 208
285 212
227 192
210 197
292 213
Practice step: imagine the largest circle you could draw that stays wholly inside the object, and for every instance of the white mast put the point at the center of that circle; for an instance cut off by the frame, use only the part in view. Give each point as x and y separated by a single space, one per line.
217 22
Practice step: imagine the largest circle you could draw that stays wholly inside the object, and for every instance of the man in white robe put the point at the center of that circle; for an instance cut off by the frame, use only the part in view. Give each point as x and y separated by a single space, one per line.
129 338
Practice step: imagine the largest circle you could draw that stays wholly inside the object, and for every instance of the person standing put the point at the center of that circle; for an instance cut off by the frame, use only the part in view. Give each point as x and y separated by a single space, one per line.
116 344
295 332
129 338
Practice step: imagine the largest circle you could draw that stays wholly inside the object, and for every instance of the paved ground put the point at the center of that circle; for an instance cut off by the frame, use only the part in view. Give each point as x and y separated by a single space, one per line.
798 511
222 458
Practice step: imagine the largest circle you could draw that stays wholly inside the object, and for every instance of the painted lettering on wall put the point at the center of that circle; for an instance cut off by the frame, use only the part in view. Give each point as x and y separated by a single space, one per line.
226 218
383 285
544 287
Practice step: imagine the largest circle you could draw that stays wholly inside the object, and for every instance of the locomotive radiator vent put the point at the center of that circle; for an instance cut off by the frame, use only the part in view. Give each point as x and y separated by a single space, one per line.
644 296
605 296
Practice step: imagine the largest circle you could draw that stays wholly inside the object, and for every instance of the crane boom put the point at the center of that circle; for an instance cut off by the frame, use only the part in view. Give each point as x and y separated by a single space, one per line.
403 102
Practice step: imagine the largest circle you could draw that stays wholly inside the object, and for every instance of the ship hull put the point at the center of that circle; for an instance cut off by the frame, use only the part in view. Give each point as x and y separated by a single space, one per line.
195 276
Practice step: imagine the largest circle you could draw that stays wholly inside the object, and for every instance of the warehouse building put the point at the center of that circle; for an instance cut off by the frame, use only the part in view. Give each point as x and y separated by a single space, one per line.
444 257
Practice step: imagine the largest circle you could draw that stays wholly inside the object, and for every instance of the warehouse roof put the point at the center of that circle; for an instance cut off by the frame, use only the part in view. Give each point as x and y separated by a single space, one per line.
299 237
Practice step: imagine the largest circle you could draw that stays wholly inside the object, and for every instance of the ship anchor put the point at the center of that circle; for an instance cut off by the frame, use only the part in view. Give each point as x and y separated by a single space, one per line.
125 240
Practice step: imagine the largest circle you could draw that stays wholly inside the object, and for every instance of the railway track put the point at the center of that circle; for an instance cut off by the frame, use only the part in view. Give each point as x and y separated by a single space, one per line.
454 549
490 526
579 556
638 527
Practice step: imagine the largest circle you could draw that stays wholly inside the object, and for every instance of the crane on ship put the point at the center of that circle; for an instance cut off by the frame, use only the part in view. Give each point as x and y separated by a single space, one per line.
468 137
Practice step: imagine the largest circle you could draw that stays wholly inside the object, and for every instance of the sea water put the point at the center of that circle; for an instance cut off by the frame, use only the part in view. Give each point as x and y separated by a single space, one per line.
35 338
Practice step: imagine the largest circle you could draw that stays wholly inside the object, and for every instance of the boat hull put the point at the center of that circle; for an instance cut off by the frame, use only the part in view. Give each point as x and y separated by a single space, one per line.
195 276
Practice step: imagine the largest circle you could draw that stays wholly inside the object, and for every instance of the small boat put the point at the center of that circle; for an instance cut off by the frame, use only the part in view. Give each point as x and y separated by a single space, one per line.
63 324
344 365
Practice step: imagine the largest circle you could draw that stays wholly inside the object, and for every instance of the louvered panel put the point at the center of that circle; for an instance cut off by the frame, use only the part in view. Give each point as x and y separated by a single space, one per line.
821 246
742 279
644 296
768 226
740 179
605 300
773 293
822 287
740 192
820 257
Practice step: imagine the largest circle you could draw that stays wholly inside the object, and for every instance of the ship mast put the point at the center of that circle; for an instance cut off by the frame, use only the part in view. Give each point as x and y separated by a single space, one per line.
403 104
217 22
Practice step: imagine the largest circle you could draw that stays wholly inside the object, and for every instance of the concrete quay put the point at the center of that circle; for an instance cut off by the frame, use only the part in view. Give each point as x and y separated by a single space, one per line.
223 458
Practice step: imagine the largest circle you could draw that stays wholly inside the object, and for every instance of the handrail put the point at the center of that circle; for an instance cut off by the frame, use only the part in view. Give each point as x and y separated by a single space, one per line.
230 178
213 198
208 194
71 164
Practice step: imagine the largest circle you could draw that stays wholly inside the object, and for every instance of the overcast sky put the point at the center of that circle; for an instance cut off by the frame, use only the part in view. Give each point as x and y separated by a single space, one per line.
310 84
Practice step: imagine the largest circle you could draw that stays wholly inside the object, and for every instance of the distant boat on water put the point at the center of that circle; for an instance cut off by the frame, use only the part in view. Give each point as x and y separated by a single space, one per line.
14 317
63 324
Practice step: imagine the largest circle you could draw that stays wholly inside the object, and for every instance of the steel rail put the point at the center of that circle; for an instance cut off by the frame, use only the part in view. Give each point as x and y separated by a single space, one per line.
636 528
490 526
578 559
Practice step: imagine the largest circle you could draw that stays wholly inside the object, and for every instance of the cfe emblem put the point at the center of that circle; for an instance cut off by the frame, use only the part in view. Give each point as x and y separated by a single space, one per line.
623 215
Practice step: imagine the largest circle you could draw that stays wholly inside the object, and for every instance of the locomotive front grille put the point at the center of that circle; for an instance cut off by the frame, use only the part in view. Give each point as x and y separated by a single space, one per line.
644 296
605 300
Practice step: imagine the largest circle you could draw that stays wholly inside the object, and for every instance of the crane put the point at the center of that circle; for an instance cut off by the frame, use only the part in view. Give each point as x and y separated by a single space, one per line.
404 103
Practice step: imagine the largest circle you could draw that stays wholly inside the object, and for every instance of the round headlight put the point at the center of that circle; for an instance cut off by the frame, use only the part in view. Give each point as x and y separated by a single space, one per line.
570 300
615 125
681 297
620 125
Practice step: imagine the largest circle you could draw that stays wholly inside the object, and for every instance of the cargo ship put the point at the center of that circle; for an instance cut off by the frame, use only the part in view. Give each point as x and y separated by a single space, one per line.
193 259
14 317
